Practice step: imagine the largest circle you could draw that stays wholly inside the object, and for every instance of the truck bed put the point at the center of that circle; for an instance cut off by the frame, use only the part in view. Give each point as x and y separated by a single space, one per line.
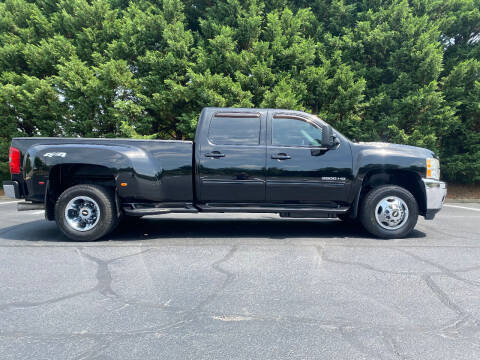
153 170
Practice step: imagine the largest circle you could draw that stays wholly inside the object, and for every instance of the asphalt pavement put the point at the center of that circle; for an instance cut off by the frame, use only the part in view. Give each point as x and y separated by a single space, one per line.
240 286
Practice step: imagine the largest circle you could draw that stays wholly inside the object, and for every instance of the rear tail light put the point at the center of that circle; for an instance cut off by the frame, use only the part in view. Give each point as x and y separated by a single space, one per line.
14 160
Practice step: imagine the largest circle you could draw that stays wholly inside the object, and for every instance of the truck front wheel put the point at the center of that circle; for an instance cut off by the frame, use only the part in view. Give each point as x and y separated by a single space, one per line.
389 212
86 212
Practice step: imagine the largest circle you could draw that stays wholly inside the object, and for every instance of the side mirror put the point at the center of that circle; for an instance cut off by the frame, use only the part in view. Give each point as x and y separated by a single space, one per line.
329 139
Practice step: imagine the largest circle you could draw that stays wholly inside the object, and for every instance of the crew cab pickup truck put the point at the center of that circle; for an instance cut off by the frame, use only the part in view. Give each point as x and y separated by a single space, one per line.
242 160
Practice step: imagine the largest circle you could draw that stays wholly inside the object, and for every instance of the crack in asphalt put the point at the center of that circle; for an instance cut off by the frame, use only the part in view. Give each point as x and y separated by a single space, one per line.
29 304
366 266
103 285
229 278
103 275
443 270
442 296
387 307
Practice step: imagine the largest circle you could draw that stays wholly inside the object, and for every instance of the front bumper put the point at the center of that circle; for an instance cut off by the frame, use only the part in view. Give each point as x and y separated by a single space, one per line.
11 189
435 191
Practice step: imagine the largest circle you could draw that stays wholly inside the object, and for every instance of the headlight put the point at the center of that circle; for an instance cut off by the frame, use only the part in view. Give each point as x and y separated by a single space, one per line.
433 169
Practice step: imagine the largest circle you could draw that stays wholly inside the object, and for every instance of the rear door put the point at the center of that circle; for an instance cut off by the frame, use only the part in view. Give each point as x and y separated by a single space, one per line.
232 158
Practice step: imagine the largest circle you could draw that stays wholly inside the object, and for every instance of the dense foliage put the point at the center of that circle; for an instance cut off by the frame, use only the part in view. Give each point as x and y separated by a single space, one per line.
399 71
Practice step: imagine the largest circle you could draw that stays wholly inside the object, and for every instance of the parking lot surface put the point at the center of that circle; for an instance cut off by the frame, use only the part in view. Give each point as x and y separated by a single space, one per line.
240 286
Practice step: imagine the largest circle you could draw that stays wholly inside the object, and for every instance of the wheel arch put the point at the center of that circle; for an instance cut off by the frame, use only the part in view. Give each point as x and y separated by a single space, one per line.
409 180
64 176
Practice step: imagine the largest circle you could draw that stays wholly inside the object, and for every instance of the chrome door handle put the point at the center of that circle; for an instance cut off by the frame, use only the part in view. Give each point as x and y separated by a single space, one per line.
281 156
215 154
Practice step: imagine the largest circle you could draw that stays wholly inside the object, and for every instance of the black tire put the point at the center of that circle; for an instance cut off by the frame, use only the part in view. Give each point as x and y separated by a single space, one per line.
107 220
369 204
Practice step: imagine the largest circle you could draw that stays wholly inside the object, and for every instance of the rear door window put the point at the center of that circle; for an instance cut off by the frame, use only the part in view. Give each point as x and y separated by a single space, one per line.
235 129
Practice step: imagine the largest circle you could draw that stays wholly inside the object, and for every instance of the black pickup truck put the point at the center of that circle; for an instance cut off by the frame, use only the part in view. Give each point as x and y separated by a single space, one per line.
242 160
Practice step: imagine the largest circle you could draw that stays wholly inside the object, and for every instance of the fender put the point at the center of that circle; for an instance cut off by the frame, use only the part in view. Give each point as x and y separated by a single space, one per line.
128 164
381 158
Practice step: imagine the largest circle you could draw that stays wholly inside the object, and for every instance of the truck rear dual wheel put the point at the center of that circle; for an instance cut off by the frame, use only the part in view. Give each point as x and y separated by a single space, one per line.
389 212
86 212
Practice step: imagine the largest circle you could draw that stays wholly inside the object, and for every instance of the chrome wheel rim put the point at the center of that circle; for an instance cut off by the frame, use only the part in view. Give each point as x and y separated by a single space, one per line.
391 213
82 213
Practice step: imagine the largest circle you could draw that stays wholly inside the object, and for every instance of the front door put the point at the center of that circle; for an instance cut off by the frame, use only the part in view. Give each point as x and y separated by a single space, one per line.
300 171
232 158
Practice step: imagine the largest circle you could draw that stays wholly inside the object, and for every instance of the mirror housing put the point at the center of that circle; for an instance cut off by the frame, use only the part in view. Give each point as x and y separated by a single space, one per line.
329 139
